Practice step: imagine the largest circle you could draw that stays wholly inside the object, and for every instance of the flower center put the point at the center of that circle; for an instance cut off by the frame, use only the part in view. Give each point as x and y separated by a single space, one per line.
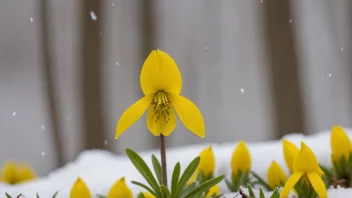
161 106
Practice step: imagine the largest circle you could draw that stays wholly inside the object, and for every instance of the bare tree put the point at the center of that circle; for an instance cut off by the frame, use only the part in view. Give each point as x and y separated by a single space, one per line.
47 65
90 67
284 68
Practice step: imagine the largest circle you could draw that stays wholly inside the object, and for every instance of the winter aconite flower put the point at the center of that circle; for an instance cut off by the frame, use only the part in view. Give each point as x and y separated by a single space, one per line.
290 153
120 190
206 166
213 191
80 190
306 168
241 159
161 83
13 173
148 195
340 144
276 177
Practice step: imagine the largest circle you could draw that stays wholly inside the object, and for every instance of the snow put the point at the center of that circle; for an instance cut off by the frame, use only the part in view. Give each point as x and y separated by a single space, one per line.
100 169
93 15
14 113
242 90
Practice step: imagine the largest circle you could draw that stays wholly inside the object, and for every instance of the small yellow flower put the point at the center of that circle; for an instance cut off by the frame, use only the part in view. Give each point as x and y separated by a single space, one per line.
207 161
148 195
161 83
276 177
13 173
80 190
290 153
241 159
120 190
340 144
213 190
305 165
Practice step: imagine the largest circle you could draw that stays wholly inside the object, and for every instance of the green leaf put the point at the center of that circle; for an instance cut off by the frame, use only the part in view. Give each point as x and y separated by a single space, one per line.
140 195
175 176
187 174
165 192
275 194
37 195
157 168
229 185
188 189
101 196
250 190
205 186
142 167
54 195
261 181
145 187
7 195
261 193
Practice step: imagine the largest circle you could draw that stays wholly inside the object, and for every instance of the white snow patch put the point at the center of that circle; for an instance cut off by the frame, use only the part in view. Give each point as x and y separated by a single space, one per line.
93 15
100 169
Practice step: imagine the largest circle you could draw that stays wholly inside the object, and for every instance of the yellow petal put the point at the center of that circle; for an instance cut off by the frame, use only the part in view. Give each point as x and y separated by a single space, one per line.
241 159
291 182
213 190
160 72
164 125
275 175
80 190
318 184
132 114
340 143
193 178
290 153
148 195
189 114
306 161
9 173
120 190
207 161
26 173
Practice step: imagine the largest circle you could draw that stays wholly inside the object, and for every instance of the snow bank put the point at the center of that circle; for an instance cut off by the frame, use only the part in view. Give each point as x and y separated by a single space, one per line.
101 169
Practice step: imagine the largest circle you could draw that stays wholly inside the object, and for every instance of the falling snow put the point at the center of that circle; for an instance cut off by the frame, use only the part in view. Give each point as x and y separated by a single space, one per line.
93 16
117 63
213 69
206 47
112 4
330 75
31 19
14 113
341 49
290 20
43 127
43 153
218 110
100 33
242 90
105 142
66 118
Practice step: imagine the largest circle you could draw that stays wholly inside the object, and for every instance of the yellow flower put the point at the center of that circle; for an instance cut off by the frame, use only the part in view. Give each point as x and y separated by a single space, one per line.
213 190
80 190
207 161
148 195
276 177
13 173
290 153
340 144
120 190
161 83
306 166
241 159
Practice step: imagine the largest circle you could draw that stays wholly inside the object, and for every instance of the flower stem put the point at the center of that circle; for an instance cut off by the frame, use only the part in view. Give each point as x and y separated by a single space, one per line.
163 159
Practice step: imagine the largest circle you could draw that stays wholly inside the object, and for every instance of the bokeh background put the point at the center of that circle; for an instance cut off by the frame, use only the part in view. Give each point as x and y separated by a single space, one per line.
257 69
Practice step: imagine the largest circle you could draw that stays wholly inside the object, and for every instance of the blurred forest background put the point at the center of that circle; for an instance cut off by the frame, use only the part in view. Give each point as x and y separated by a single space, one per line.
257 69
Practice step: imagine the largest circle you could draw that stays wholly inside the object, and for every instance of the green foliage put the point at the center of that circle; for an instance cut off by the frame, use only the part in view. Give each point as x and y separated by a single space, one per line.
239 179
261 181
37 196
305 189
179 181
275 194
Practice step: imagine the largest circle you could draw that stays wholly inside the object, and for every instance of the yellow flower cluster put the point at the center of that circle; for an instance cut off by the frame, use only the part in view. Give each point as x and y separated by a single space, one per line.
14 173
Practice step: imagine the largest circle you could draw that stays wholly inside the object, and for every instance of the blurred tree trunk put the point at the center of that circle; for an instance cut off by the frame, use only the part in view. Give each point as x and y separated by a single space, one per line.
284 68
91 69
148 24
47 64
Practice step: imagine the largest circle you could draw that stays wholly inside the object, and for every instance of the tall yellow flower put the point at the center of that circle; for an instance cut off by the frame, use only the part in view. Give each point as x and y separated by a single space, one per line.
290 153
13 173
80 190
213 190
161 83
148 195
120 190
340 144
276 177
241 159
305 165
207 161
